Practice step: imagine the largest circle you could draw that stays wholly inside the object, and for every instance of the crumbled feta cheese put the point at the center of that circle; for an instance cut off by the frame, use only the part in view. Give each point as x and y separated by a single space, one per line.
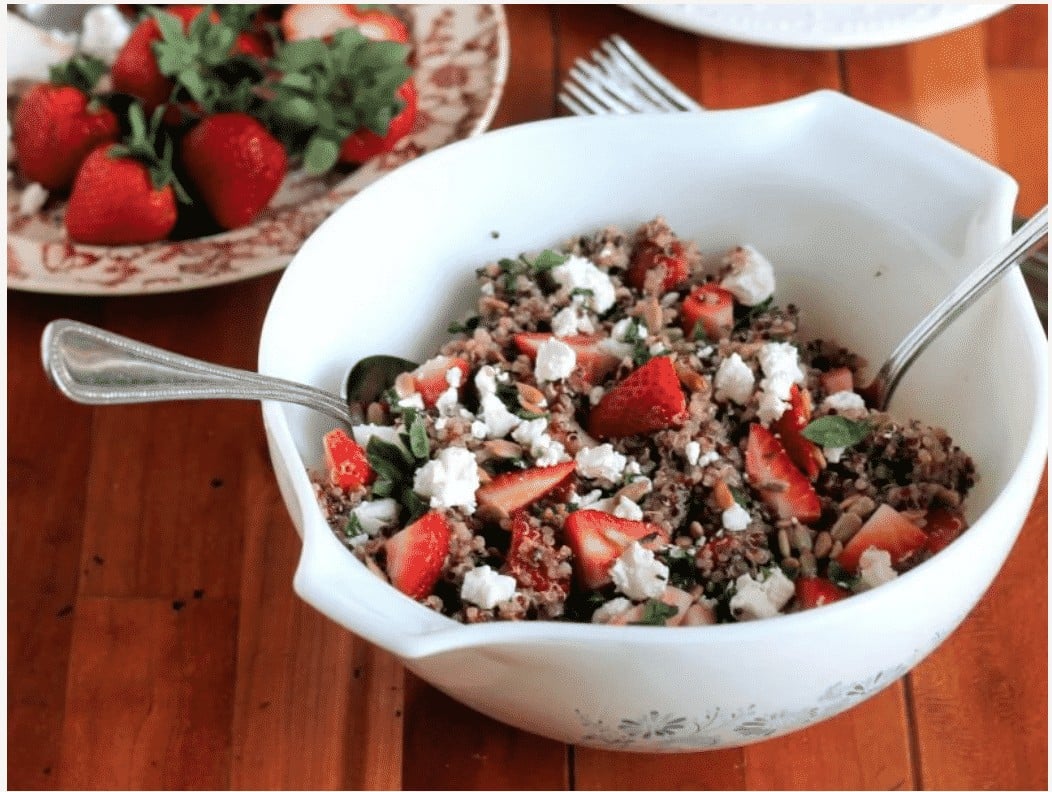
588 500
449 480
495 418
529 432
545 451
32 199
628 509
375 514
487 289
833 454
874 567
580 273
569 321
478 430
707 458
485 587
844 401
365 432
440 423
554 452
448 404
633 469
638 575
454 376
770 407
754 281
755 599
780 364
735 518
601 462
705 351
693 451
555 361
656 349
734 380
610 610
595 395
104 30
414 400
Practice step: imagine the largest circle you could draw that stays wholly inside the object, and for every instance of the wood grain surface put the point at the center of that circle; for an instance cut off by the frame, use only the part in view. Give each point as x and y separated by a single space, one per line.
154 640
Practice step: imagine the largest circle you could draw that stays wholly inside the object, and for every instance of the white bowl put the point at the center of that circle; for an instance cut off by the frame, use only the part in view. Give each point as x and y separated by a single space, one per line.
869 220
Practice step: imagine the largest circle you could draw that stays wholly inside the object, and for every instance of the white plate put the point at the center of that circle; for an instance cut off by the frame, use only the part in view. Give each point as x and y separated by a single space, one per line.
817 26
461 54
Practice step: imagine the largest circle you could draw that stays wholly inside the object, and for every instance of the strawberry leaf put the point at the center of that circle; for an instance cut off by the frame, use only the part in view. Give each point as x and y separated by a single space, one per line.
321 154
81 72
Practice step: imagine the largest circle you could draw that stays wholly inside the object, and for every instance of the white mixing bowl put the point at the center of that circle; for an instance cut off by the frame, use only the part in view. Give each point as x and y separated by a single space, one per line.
868 219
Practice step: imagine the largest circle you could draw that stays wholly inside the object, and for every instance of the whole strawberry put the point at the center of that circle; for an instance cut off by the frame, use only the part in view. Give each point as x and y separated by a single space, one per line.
235 165
135 69
125 194
57 124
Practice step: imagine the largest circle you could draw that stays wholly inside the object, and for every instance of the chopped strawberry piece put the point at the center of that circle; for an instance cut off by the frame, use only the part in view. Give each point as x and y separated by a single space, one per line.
780 484
838 379
346 461
942 527
648 399
304 21
814 592
592 359
430 381
886 529
711 305
598 539
649 256
805 454
416 554
525 562
511 491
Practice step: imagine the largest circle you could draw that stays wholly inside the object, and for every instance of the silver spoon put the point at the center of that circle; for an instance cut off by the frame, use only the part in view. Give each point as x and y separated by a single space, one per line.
94 366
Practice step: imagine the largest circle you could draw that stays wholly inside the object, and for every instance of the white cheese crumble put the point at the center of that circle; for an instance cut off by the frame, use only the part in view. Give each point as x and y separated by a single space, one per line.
533 435
454 376
487 289
833 454
754 599
414 400
707 458
104 30
780 364
754 282
580 273
31 200
874 567
485 587
628 509
693 451
656 349
611 610
734 380
844 401
633 469
555 361
495 419
595 395
570 321
365 432
449 480
638 575
601 462
588 500
448 404
375 514
735 518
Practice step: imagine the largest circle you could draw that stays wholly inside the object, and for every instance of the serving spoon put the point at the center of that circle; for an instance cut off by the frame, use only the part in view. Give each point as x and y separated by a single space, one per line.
94 366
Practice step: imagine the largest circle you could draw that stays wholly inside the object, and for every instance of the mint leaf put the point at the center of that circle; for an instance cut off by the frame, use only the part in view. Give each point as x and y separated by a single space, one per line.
414 504
321 154
353 527
549 259
836 431
418 442
656 612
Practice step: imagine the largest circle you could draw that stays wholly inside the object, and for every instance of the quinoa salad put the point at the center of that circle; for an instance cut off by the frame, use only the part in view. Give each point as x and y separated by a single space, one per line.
628 432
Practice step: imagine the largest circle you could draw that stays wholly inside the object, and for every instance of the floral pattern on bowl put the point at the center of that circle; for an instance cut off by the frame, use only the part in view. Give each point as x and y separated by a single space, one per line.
461 63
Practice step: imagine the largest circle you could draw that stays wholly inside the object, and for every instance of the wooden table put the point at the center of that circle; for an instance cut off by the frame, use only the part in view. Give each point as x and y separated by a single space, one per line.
154 640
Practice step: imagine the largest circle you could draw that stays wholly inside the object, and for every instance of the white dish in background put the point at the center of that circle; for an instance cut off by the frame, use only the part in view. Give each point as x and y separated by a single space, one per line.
462 56
819 26
868 219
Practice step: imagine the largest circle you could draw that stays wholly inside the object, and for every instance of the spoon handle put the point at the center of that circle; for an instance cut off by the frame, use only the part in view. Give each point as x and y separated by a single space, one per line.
1024 242
94 366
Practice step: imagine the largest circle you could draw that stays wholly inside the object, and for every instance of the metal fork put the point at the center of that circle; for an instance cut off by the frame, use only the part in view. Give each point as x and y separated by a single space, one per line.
618 80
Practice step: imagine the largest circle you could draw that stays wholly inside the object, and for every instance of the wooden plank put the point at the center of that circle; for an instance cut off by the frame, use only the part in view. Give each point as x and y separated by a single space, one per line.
149 695
596 769
529 92
743 75
981 701
47 452
1018 37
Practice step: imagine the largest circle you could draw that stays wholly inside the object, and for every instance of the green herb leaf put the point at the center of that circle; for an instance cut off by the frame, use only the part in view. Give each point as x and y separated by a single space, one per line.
81 71
321 154
836 431
740 497
656 612
414 504
467 326
418 442
548 260
382 488
353 527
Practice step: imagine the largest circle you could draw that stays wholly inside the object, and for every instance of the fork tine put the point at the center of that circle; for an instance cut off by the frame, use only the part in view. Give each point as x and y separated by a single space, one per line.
595 79
574 106
585 98
653 98
650 74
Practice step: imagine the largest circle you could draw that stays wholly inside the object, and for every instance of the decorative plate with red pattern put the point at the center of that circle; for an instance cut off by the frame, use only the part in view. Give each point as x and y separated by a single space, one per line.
461 62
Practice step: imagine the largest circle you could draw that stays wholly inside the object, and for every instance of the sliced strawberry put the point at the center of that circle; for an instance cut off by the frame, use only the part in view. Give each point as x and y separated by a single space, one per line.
598 539
838 379
525 562
415 555
430 378
942 527
711 305
813 592
780 484
648 399
886 529
649 256
511 491
805 454
594 361
305 21
346 461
